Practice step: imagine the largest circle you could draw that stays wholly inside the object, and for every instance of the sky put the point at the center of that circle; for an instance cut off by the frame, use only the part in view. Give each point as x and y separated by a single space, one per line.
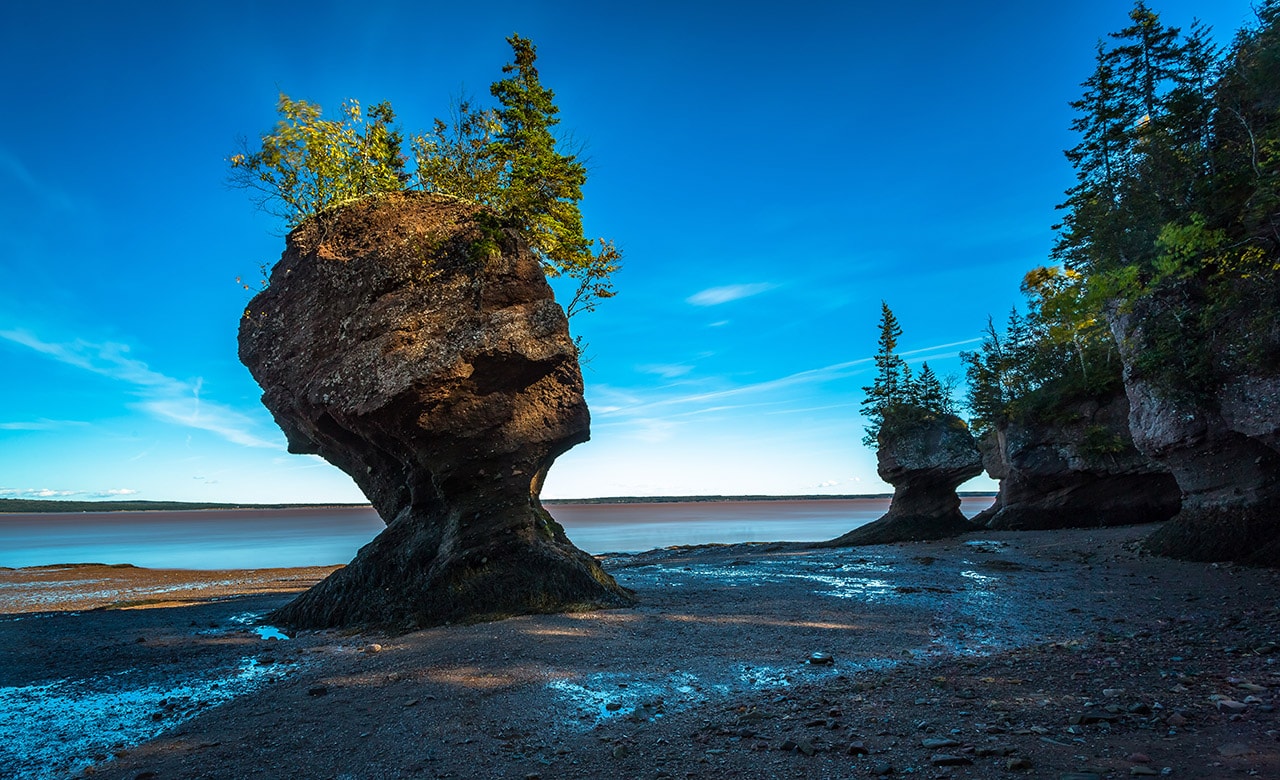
771 172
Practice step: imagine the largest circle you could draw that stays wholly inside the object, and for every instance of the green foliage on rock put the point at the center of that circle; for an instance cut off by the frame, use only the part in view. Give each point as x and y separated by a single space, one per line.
309 163
895 397
1177 200
506 158
1175 209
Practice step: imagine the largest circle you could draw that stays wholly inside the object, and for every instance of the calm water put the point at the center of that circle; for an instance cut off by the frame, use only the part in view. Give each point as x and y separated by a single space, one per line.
254 538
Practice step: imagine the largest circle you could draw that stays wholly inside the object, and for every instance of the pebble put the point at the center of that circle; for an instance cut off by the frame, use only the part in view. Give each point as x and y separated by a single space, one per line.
317 690
1080 776
856 748
882 768
1143 771
1176 720
1234 749
1231 706
947 759
934 744
373 648
819 659
1017 764
1138 758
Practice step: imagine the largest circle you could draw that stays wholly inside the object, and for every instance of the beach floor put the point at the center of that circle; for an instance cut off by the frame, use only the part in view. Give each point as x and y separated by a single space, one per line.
999 654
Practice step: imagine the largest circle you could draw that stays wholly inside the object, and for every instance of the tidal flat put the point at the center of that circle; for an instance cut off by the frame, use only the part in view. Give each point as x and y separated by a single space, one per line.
1043 653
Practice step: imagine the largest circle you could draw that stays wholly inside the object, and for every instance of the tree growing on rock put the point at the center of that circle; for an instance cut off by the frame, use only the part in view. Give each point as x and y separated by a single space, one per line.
922 449
506 158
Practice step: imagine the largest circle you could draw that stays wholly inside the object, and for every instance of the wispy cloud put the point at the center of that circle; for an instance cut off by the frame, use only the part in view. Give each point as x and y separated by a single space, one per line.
714 296
666 370
41 424
51 493
163 397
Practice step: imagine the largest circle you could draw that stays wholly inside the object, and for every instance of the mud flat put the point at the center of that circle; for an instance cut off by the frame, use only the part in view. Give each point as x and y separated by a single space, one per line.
1041 653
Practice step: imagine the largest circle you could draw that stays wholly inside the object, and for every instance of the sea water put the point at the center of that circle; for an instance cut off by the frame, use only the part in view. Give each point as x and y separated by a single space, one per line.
257 539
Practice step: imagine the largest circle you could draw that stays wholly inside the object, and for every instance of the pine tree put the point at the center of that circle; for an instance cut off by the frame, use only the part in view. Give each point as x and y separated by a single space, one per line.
929 393
893 378
542 186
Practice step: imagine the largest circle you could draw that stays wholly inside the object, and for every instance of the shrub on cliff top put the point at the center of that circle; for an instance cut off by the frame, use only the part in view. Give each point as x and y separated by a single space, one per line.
506 159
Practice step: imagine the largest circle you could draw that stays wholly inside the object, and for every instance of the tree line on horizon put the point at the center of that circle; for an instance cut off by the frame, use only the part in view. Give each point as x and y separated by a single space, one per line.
1176 202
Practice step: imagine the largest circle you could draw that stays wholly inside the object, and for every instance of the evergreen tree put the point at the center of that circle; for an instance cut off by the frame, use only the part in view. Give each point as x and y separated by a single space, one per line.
542 186
892 382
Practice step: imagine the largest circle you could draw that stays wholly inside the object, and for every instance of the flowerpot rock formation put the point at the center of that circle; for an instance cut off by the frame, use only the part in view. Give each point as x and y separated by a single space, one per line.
1079 470
428 360
925 461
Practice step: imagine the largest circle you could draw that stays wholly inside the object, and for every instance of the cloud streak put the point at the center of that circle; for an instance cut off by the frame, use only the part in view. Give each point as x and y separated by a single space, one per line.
163 397
714 296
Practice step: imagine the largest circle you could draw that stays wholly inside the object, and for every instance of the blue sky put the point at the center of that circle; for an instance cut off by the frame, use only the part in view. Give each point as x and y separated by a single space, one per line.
771 172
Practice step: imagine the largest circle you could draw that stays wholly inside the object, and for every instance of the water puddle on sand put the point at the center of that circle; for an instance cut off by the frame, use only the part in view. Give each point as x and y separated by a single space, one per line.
606 696
58 729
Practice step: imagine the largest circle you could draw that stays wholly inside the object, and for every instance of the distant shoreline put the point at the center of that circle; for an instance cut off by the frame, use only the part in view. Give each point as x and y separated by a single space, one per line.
41 506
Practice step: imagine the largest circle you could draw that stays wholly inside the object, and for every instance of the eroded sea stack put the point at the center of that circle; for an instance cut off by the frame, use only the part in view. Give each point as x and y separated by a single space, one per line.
925 460
428 360
1220 438
1079 469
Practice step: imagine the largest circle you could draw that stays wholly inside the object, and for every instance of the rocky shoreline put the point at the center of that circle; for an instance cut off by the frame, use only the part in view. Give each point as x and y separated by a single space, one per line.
1041 653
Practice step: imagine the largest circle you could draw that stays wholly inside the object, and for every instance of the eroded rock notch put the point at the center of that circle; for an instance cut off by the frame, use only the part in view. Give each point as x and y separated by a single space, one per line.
1080 468
427 359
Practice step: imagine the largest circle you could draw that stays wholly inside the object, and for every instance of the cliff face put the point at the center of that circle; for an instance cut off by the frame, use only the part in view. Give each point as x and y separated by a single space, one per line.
925 461
1220 443
442 378
1081 469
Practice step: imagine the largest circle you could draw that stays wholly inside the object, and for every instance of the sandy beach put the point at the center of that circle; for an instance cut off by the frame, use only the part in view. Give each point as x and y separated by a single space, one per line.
1039 654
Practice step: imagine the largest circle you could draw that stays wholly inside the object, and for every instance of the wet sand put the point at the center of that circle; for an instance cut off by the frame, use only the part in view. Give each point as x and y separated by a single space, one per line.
1057 651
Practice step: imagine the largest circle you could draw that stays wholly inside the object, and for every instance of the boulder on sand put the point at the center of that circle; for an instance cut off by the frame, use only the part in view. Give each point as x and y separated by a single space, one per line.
427 358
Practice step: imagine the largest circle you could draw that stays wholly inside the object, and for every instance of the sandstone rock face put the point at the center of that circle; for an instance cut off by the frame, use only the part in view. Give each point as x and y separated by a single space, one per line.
1222 450
925 461
442 378
1079 470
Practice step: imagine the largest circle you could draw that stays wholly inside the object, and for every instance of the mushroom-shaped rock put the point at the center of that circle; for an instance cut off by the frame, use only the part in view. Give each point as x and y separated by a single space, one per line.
427 358
1077 469
925 459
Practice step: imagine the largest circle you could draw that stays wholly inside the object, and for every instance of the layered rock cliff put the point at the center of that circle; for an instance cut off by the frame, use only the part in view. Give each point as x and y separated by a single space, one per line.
1219 439
432 365
925 460
1078 469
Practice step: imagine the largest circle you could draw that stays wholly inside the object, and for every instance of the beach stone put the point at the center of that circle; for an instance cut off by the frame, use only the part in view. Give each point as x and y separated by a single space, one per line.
857 748
1231 706
948 759
934 744
443 380
925 460
821 659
